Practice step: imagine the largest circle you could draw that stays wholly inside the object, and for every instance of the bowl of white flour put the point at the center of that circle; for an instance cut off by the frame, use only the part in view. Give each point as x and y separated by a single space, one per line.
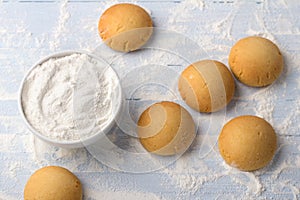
70 99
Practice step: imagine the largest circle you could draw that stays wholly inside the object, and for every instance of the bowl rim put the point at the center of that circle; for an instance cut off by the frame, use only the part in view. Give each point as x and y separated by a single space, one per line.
72 143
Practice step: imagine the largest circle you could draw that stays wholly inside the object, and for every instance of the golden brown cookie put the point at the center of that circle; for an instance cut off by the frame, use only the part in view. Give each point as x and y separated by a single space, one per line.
256 61
53 183
166 128
247 143
206 86
125 27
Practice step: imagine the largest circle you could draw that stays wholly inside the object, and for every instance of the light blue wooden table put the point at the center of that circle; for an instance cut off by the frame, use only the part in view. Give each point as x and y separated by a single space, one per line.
32 29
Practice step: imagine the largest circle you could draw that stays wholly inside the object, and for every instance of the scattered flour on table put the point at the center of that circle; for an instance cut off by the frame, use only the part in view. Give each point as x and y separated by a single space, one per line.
116 195
191 175
6 197
56 99
64 16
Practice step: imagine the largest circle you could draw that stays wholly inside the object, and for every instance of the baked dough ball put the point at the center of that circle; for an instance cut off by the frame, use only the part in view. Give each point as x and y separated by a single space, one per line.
166 128
125 27
53 183
206 86
256 61
247 143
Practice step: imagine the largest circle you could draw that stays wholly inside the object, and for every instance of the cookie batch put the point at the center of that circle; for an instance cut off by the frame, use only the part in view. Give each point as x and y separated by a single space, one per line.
166 128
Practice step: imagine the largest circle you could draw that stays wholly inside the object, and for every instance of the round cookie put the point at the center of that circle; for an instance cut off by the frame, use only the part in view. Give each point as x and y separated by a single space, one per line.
125 27
256 61
166 128
206 86
53 183
247 143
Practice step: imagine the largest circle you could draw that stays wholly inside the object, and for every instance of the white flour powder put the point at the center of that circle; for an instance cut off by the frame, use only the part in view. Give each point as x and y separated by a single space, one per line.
64 95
